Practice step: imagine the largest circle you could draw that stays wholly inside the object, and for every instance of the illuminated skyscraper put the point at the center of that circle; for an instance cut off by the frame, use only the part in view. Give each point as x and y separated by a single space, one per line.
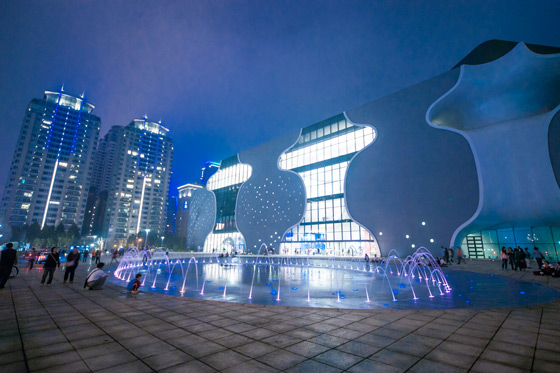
138 185
51 169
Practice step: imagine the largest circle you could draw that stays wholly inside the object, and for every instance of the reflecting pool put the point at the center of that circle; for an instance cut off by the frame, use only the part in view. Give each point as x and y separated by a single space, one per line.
330 283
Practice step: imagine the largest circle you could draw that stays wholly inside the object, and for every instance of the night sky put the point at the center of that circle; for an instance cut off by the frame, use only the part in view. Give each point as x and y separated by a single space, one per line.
225 76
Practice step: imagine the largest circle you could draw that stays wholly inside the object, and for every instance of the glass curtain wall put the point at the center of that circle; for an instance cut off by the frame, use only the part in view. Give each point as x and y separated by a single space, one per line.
321 157
225 185
547 239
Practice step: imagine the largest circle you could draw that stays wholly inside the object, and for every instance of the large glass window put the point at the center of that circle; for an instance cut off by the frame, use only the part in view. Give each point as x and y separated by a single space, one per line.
321 158
547 239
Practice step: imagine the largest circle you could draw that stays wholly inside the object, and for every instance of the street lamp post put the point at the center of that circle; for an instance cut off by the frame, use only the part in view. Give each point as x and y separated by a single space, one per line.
146 243
162 238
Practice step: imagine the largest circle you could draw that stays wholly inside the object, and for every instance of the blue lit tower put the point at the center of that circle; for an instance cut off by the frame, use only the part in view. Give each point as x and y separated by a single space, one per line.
139 184
51 169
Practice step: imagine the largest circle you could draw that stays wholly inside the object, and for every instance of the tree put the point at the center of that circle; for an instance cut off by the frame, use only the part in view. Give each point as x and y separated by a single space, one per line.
32 231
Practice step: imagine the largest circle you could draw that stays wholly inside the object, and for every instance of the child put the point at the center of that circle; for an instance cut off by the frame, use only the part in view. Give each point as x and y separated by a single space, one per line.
133 285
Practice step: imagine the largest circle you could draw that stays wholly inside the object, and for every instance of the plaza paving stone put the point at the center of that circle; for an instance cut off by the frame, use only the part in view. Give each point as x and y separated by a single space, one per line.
64 328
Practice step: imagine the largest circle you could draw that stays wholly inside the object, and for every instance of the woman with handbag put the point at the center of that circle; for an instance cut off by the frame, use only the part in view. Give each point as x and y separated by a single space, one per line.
71 265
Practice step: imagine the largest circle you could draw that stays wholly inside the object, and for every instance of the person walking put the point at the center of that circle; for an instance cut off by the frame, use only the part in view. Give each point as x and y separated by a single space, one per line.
114 256
71 265
505 258
98 257
7 261
86 254
451 256
50 265
32 258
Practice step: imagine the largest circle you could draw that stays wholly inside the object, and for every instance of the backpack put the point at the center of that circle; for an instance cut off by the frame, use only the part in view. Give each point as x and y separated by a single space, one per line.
130 285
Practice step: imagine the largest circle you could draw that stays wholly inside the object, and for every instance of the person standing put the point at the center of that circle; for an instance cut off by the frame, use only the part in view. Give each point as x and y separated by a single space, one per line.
511 258
451 256
538 257
50 265
71 265
505 258
7 261
98 257
459 255
527 258
32 258
446 255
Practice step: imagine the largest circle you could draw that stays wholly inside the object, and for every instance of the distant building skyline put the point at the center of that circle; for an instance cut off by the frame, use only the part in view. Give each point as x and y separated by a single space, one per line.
51 168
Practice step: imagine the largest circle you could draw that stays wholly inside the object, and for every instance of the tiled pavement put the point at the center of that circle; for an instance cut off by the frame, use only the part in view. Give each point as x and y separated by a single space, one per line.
65 328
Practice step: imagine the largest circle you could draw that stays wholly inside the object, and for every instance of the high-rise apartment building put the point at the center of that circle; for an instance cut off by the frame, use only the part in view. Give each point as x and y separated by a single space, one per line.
50 174
138 181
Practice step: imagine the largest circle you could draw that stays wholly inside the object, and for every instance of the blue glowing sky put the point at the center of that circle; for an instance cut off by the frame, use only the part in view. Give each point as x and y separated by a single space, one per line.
225 76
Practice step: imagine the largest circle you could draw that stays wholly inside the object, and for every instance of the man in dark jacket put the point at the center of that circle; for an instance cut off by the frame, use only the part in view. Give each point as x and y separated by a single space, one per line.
50 265
7 261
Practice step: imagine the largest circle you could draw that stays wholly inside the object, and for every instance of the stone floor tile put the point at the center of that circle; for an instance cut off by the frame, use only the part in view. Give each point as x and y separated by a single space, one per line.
545 355
109 360
454 348
338 359
281 340
506 358
358 348
328 340
136 366
307 349
411 348
98 350
16 367
303 333
459 360
485 366
215 334
511 348
224 359
9 344
259 333
396 359
426 365
370 366
151 349
546 366
93 341
281 359
194 366
313 366
199 350
11 357
255 349
45 362
77 366
167 359
234 340
251 366
49 350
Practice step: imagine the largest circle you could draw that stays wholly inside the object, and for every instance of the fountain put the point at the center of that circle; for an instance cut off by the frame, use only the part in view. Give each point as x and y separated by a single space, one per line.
413 282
